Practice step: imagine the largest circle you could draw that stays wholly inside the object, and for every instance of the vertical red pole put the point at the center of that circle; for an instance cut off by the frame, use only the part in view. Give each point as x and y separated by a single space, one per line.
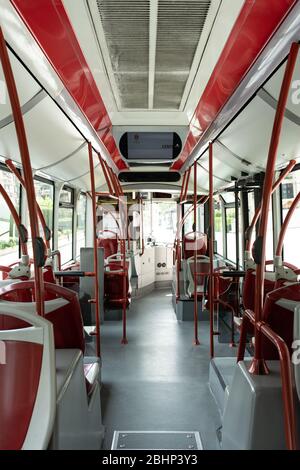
258 365
97 299
26 165
211 250
123 224
196 340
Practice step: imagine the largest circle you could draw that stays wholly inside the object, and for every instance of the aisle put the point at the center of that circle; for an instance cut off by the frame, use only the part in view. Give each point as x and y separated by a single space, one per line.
159 381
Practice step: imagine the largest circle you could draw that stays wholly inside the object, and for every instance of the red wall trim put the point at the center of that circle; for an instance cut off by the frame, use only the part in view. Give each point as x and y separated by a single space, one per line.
48 22
254 27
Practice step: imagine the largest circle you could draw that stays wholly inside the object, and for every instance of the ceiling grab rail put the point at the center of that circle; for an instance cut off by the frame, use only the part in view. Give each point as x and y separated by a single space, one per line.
182 187
104 169
37 241
258 365
187 184
95 301
249 231
20 227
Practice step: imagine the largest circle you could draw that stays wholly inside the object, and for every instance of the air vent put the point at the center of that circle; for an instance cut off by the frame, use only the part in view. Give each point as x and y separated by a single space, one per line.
126 28
179 27
149 176
149 48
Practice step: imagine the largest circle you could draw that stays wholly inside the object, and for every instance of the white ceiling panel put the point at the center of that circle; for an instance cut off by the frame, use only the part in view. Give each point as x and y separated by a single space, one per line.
249 135
26 85
274 84
51 136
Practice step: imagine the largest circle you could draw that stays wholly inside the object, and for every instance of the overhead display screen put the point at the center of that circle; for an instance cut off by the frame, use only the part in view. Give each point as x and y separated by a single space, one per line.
150 145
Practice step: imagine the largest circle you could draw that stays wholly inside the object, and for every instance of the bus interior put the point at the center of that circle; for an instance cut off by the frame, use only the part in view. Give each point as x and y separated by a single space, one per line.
149 224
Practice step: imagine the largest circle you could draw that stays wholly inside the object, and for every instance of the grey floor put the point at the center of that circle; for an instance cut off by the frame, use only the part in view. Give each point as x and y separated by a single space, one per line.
159 380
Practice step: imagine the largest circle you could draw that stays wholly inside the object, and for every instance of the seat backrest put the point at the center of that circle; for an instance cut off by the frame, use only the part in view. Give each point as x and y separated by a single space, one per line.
107 240
192 241
28 382
63 311
249 287
278 313
201 267
113 278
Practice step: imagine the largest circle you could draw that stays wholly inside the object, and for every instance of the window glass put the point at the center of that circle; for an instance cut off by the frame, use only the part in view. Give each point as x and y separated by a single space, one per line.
251 206
147 220
9 237
164 220
65 225
290 188
81 218
188 224
269 239
219 227
44 192
66 196
230 233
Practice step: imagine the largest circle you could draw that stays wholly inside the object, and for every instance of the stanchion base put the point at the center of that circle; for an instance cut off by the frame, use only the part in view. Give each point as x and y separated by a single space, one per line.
124 341
232 345
196 342
258 367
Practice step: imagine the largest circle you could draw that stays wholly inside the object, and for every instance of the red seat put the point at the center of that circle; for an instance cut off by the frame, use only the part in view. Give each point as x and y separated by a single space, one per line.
113 286
107 240
72 282
188 244
249 287
23 360
27 377
67 320
279 314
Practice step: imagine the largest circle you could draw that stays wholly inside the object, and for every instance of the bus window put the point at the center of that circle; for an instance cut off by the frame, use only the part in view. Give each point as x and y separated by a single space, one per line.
44 191
188 224
164 220
289 190
251 206
65 224
147 220
81 222
219 227
270 236
230 233
9 238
